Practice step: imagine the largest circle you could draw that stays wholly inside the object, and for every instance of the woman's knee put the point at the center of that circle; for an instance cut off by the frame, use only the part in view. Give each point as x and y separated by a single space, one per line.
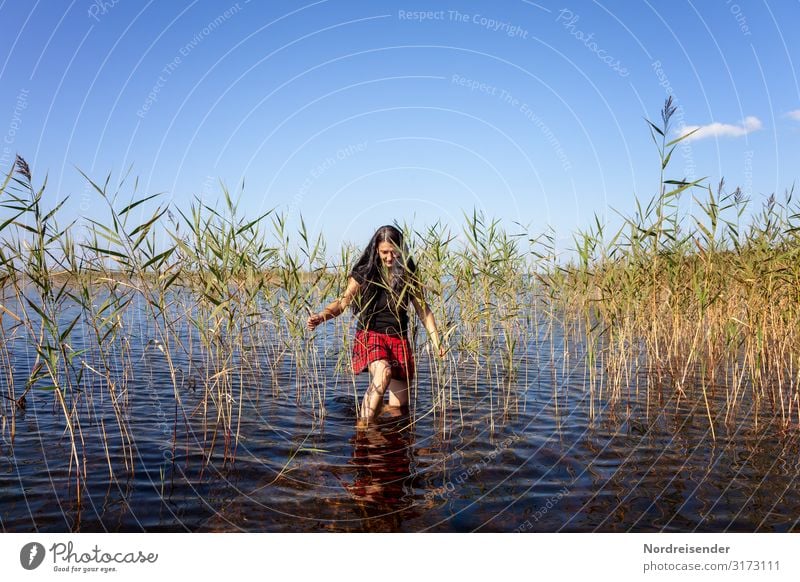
398 393
381 372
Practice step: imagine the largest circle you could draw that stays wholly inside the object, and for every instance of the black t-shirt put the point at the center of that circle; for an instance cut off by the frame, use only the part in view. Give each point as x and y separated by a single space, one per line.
377 311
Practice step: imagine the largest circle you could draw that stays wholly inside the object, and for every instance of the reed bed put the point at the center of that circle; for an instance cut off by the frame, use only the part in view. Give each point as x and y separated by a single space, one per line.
698 305
689 308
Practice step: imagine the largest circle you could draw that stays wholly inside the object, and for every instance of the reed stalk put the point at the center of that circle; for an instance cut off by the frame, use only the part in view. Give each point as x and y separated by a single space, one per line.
699 309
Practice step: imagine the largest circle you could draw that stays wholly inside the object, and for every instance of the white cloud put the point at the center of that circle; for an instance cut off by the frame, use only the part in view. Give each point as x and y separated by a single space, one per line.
794 115
716 129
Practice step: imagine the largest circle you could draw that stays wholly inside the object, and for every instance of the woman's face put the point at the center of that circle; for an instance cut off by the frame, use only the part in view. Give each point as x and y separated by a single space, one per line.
388 253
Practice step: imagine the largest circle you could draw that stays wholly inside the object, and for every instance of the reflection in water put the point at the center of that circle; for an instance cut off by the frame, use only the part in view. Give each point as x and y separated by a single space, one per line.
382 457
367 489
650 466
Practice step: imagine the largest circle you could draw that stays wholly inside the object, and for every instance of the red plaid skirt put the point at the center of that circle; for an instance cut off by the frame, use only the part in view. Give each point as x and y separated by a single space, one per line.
370 346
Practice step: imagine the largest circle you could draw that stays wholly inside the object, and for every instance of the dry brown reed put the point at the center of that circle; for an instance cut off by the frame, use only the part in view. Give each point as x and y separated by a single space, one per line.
705 308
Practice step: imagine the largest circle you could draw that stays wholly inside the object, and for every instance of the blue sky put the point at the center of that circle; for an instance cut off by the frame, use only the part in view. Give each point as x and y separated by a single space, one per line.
362 113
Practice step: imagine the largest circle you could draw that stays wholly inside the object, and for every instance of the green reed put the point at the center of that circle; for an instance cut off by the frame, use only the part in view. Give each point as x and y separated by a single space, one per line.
689 300
32 259
686 310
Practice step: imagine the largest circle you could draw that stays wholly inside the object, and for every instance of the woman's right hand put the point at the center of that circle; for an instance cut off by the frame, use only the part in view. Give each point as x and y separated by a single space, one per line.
314 320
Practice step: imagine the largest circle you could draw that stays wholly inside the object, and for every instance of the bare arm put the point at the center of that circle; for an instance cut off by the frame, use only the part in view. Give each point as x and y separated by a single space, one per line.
429 321
336 307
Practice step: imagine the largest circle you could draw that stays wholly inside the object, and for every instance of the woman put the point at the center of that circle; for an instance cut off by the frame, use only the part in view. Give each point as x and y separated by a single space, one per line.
380 287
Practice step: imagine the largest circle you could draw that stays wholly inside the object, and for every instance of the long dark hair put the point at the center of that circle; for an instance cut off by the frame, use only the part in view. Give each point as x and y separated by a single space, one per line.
401 278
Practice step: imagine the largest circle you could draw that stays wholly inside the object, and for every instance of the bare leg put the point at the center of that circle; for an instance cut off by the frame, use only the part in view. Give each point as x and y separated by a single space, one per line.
380 377
398 393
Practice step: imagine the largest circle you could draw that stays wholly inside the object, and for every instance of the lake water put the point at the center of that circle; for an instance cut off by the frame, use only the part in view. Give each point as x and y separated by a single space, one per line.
507 455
